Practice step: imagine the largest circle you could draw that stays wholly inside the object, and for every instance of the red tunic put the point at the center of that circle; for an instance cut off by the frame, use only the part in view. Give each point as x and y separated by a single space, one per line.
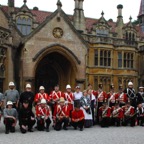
42 111
101 96
128 111
61 111
104 112
40 96
77 115
117 112
122 97
69 97
56 95
112 97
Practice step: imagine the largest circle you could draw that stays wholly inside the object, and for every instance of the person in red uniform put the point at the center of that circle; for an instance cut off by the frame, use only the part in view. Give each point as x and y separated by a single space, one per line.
116 114
69 97
61 115
112 96
90 88
121 96
104 114
43 116
77 119
129 114
101 96
56 94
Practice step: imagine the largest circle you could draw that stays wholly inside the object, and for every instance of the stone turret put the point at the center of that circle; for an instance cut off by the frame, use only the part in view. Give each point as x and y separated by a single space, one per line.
79 18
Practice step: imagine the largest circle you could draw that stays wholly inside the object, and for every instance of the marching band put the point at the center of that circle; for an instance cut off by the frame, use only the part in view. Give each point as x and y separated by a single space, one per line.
71 109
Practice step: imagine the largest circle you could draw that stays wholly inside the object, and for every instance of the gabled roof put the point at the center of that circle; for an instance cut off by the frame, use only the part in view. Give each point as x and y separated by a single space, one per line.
140 10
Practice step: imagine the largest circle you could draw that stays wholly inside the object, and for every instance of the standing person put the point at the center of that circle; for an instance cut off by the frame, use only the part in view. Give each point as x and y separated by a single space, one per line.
26 117
104 115
130 91
116 114
69 97
12 95
92 105
101 96
112 97
56 94
61 115
90 88
78 119
1 104
129 114
86 107
121 96
140 96
27 95
77 96
10 118
43 115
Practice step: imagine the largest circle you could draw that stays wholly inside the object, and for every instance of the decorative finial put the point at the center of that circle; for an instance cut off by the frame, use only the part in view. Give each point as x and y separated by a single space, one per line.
59 4
102 13
130 18
25 1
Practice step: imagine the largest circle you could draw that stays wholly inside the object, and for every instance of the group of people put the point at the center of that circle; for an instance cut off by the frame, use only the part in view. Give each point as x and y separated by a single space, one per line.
76 109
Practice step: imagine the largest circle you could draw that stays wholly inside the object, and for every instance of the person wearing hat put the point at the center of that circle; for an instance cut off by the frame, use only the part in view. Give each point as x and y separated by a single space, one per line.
69 97
129 114
61 115
116 114
131 94
121 96
12 95
104 114
101 96
10 117
43 115
112 96
56 94
26 117
77 96
140 114
140 96
27 95
78 118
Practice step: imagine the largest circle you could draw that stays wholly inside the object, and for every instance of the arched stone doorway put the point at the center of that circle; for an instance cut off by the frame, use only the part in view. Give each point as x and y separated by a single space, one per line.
54 68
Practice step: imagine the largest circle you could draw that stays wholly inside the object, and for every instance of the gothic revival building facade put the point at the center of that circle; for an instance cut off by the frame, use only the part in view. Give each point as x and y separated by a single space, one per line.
45 48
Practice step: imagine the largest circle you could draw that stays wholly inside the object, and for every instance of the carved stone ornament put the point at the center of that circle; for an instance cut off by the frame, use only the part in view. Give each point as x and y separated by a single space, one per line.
57 32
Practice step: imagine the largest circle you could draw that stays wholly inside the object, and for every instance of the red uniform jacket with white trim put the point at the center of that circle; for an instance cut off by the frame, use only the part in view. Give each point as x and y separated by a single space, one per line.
122 97
128 111
42 111
104 112
69 97
116 112
77 115
40 96
56 95
112 97
101 96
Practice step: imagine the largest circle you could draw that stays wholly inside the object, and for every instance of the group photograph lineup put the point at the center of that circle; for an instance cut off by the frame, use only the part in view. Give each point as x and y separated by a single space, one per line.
77 109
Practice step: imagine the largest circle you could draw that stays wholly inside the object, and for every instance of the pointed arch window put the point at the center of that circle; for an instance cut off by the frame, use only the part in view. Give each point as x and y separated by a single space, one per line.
24 25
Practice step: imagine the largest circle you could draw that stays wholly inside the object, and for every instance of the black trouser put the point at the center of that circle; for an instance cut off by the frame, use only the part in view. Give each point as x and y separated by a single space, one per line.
111 104
8 124
133 103
59 123
122 104
41 123
130 120
26 122
115 121
79 124
93 114
140 120
105 122
97 117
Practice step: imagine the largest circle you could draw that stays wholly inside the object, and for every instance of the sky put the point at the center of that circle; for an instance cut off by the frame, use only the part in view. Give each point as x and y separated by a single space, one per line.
92 8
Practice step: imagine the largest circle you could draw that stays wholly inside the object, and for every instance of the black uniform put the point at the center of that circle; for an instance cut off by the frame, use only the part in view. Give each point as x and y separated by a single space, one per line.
27 96
140 116
25 115
140 97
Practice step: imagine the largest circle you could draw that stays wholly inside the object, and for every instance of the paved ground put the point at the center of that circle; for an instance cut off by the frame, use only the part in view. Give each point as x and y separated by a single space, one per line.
95 135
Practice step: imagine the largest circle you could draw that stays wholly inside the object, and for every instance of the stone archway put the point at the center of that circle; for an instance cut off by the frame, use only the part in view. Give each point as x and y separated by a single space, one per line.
54 68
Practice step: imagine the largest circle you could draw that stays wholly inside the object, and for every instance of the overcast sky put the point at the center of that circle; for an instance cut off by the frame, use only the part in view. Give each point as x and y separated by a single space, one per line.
92 8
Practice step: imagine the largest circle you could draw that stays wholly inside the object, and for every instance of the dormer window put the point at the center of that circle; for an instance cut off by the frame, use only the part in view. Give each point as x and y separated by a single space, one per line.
24 24
102 32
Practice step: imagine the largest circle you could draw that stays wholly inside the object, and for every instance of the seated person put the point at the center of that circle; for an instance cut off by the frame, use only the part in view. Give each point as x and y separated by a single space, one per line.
43 116
104 115
140 114
129 114
116 114
26 117
10 118
77 119
61 115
